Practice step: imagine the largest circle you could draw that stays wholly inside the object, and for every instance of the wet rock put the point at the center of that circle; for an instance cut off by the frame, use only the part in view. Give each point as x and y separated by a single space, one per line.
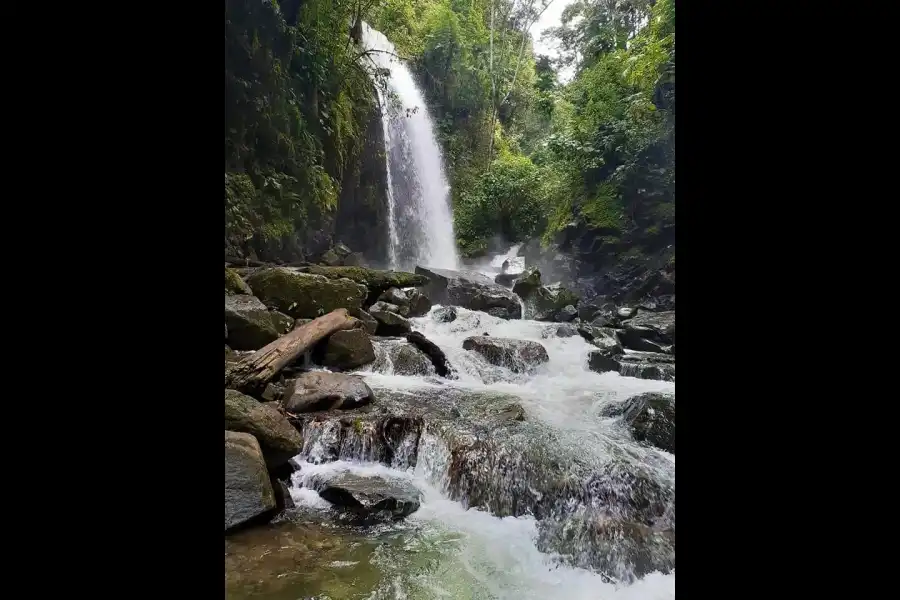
654 326
527 283
544 303
626 312
586 312
633 340
633 356
331 258
283 498
437 357
600 362
409 360
272 392
419 304
470 290
368 321
248 322
445 314
375 280
348 349
248 491
601 337
319 390
277 438
394 296
390 322
562 330
342 250
651 418
281 322
226 332
644 370
604 320
566 314
234 284
516 355
506 279
355 259
372 497
302 295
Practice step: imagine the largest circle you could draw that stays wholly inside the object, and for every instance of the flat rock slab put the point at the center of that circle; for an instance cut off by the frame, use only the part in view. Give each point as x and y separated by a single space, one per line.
372 497
320 390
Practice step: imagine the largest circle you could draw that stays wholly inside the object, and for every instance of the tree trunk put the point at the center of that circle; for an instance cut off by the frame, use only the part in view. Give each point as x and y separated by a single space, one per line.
251 374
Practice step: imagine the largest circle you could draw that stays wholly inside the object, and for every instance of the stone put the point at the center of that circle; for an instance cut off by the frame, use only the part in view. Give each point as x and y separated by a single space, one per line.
331 258
282 323
651 418
526 283
372 497
394 296
377 281
248 322
506 279
248 490
409 360
633 340
342 250
368 321
470 290
234 284
655 326
445 314
302 295
626 312
355 259
390 322
602 337
320 390
562 330
277 438
566 314
518 356
348 349
419 304
434 353
586 312
544 303
600 362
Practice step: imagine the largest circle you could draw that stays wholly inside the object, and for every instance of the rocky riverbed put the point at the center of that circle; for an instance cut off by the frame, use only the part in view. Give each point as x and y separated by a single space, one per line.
438 440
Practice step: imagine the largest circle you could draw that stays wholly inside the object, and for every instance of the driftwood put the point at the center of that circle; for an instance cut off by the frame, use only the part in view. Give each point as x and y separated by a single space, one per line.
251 374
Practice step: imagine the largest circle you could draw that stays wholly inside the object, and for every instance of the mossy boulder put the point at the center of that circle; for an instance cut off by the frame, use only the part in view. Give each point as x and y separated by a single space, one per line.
519 356
248 489
526 283
249 323
409 360
234 284
544 303
375 280
348 349
305 295
651 418
277 438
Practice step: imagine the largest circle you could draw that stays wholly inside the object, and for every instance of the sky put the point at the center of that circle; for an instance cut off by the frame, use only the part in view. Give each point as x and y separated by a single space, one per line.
550 18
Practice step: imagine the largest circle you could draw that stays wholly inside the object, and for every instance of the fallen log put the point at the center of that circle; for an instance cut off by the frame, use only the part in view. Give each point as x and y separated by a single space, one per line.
246 262
251 374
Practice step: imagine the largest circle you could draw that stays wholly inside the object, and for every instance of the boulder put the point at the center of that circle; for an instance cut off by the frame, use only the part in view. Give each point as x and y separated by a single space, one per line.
445 314
516 355
626 312
655 326
320 390
281 322
277 438
644 365
394 296
342 250
437 357
651 418
355 259
234 284
527 283
586 312
601 337
389 320
368 321
601 362
562 330
348 349
248 490
633 340
506 279
248 322
372 497
302 295
375 280
544 303
470 290
331 258
419 304
409 360
566 314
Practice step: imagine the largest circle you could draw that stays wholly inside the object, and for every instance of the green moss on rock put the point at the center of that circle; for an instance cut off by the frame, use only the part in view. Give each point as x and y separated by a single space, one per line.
234 284
305 295
376 280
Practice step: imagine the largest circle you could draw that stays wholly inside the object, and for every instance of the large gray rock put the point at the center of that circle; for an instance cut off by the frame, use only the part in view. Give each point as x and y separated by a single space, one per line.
566 314
249 323
390 322
409 360
445 314
651 418
643 365
368 321
348 349
470 290
248 490
519 356
655 326
319 390
372 497
419 304
277 438
394 296
304 295
601 337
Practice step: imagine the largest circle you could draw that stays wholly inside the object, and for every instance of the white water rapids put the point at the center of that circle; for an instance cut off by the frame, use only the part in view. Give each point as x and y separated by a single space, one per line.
421 223
446 551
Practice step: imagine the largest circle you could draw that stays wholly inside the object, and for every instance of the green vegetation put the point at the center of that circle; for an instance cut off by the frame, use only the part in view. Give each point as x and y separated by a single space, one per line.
527 155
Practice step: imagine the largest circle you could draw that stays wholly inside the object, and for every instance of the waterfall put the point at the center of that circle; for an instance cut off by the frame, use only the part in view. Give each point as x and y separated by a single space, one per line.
421 221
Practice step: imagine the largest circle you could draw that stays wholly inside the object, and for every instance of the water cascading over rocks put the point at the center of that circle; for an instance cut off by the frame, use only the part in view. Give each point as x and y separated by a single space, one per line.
420 218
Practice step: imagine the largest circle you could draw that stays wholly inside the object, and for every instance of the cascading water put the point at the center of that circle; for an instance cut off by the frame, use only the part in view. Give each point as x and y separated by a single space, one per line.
421 222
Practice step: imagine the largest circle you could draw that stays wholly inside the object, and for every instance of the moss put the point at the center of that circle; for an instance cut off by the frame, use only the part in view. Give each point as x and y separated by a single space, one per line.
305 295
374 279
234 284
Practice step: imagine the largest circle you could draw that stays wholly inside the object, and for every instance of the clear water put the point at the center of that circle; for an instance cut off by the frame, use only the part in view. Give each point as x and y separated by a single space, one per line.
421 222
